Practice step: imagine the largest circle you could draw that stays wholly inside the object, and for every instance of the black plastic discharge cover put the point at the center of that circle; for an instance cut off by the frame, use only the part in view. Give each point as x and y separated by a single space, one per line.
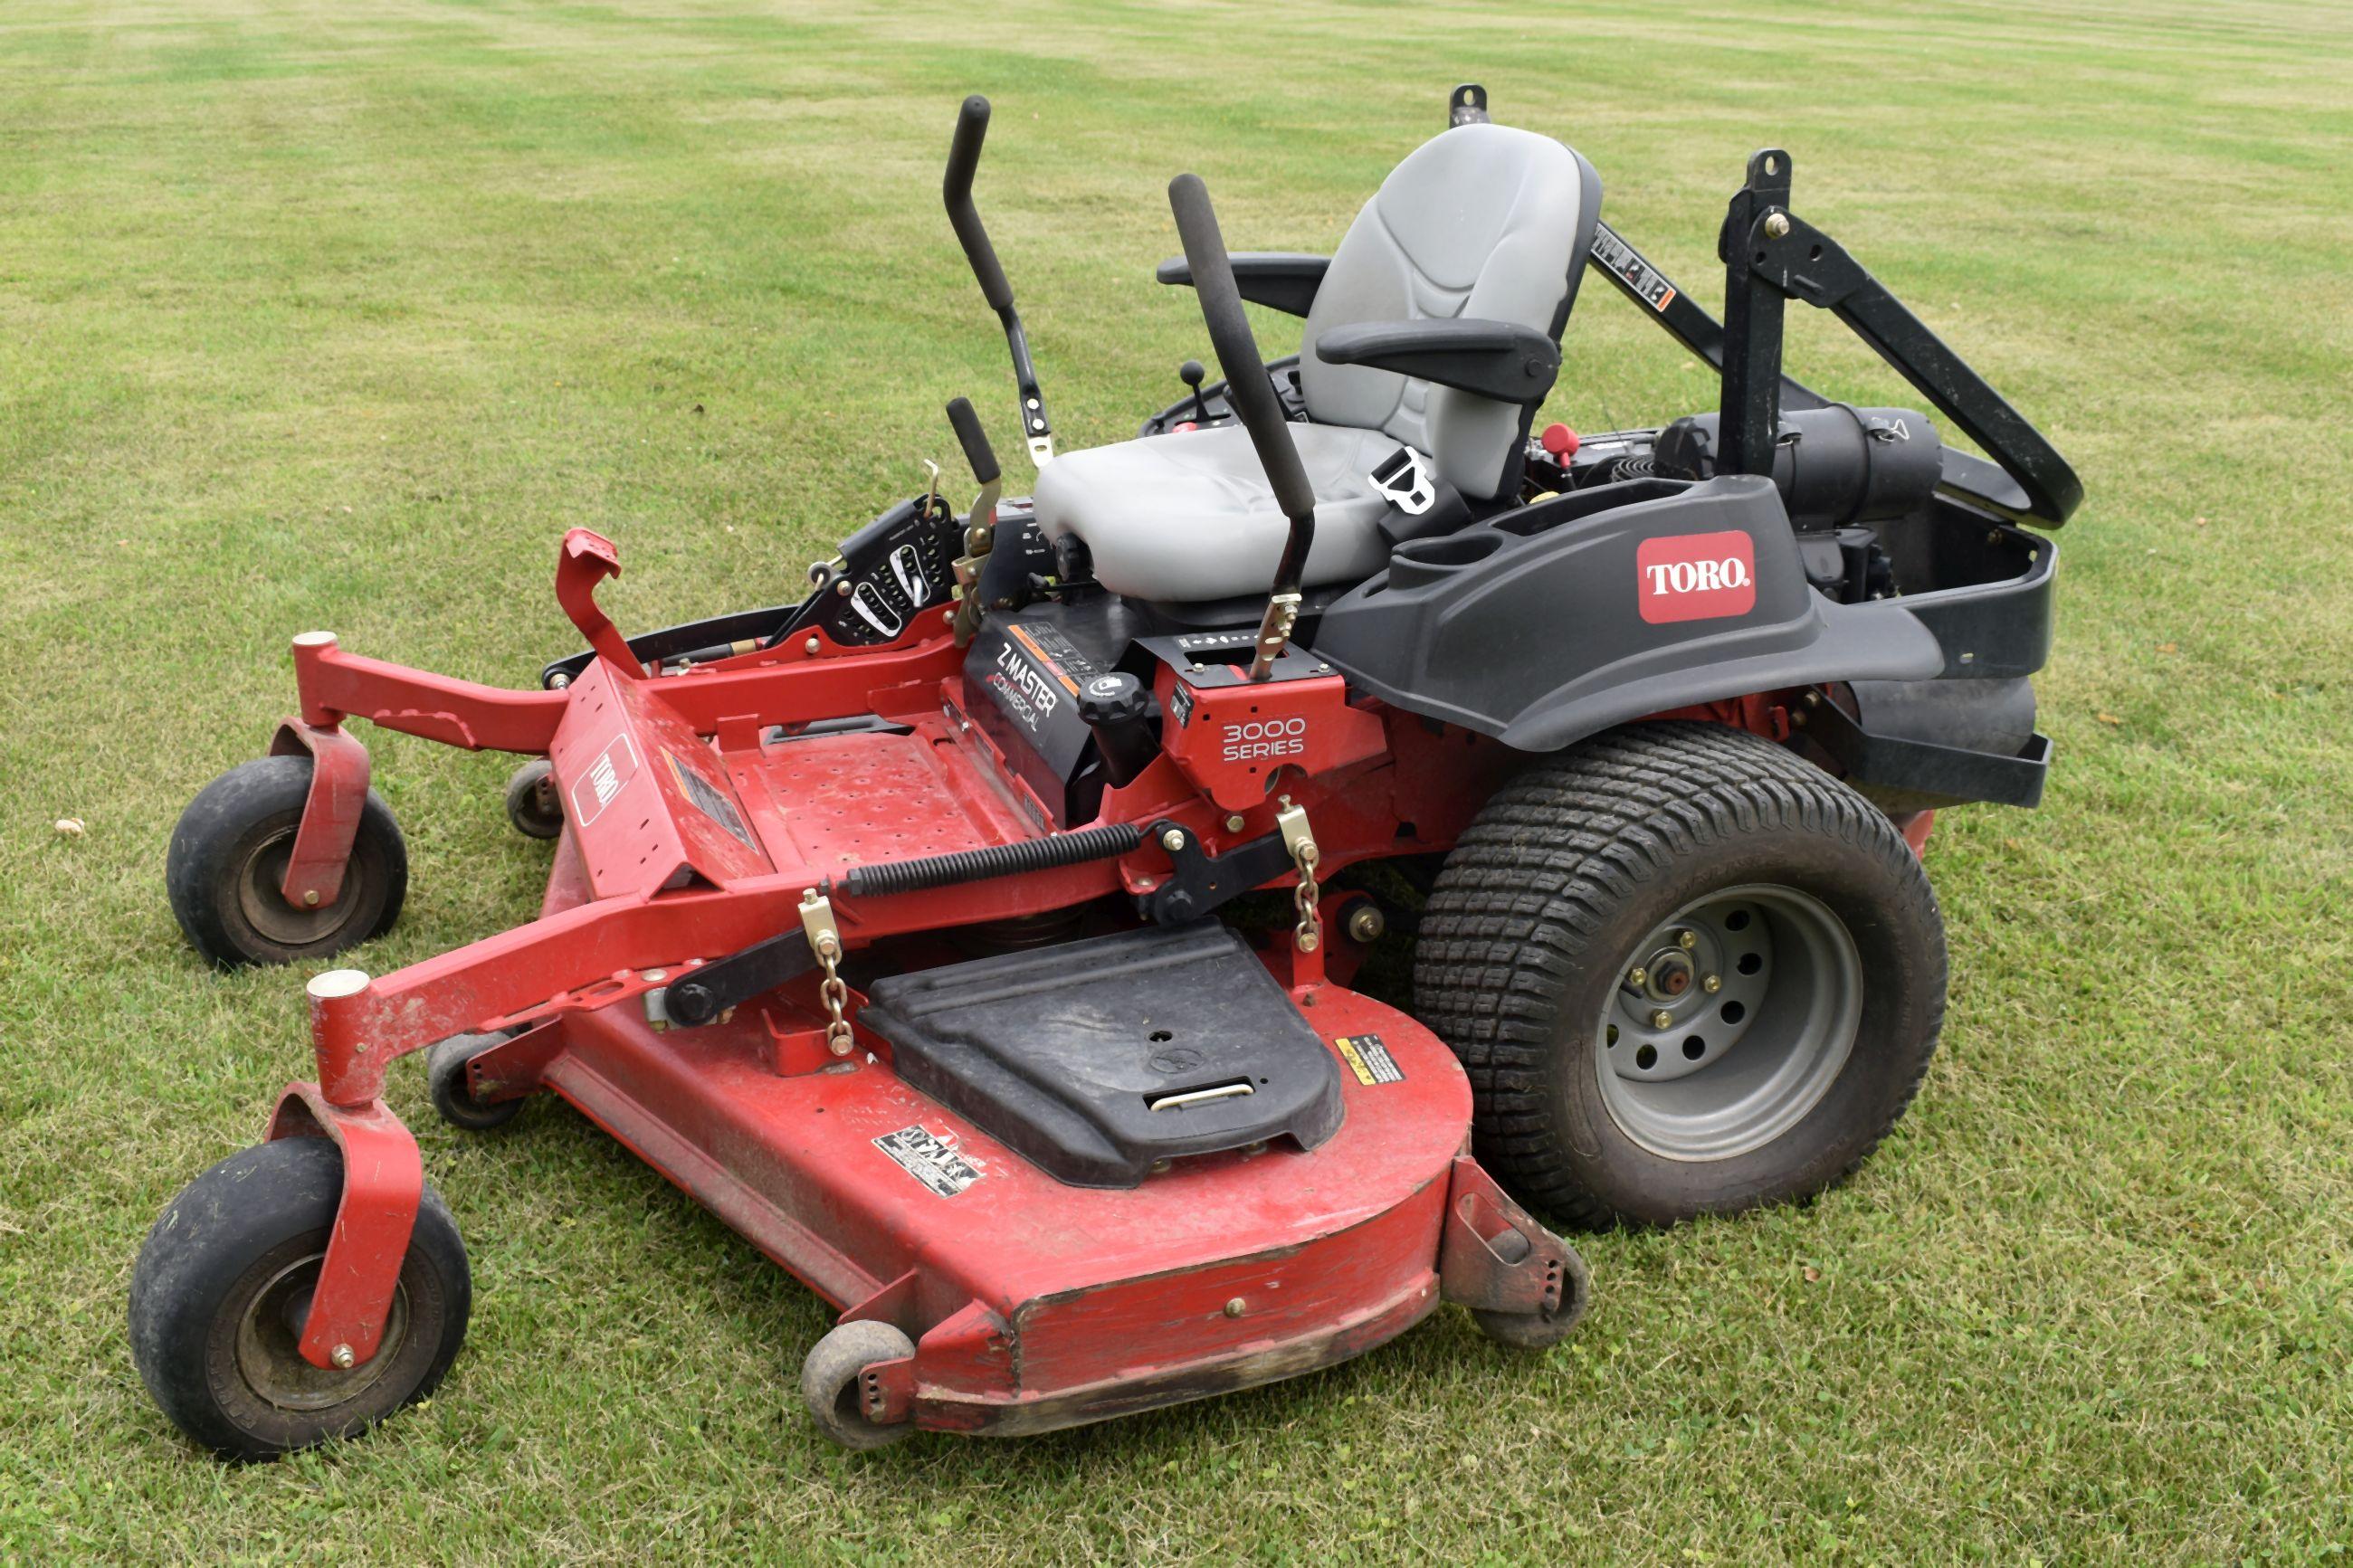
1062 1053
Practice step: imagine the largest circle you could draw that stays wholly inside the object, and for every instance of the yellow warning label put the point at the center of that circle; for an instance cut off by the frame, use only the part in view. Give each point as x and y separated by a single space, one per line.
1368 1058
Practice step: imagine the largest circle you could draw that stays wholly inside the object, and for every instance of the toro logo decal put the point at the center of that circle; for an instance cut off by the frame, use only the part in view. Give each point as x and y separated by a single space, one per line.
1696 576
616 766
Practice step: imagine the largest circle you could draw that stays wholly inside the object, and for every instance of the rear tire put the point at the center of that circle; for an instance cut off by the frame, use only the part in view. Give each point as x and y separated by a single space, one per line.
228 856
1799 1015
220 1292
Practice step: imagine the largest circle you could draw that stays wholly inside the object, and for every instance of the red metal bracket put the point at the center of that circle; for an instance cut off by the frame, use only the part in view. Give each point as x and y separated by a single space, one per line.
515 1068
1491 1255
383 1181
886 1389
330 814
1915 826
586 558
1232 741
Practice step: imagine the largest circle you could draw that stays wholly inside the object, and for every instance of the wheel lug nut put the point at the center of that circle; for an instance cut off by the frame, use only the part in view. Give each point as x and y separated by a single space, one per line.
1638 977
1712 984
1687 940
1662 1018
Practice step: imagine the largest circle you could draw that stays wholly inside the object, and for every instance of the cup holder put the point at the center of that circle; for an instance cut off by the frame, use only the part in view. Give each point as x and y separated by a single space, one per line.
1420 562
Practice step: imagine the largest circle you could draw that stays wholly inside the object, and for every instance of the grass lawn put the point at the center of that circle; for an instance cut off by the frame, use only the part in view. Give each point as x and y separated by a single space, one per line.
328 315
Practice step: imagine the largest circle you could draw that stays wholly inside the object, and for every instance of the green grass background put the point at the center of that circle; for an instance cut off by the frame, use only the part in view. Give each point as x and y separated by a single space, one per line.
333 315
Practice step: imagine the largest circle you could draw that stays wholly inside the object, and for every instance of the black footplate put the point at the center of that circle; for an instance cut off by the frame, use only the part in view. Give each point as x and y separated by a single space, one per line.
1095 1060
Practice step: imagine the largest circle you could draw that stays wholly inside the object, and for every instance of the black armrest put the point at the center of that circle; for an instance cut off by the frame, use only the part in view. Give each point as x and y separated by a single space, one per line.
1280 279
1500 360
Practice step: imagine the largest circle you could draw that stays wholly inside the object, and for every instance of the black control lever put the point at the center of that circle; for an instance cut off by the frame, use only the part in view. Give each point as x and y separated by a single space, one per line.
963 158
973 439
1191 373
1251 394
980 527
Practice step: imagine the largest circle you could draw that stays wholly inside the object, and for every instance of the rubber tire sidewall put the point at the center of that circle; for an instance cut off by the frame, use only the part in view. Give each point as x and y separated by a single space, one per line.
246 1213
221 827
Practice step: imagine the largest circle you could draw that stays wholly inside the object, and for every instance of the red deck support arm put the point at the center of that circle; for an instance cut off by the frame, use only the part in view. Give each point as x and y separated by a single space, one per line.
334 686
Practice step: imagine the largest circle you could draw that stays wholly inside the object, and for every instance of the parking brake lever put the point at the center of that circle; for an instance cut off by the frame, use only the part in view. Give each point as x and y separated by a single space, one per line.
980 525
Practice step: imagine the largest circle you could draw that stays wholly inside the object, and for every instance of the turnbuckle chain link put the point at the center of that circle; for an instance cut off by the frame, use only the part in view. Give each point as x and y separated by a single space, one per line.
1300 839
824 941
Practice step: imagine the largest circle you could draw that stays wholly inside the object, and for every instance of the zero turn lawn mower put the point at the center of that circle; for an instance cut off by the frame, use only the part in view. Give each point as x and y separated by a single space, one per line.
976 936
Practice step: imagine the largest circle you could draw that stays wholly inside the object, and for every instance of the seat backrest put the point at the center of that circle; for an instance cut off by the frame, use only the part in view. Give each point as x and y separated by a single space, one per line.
1483 222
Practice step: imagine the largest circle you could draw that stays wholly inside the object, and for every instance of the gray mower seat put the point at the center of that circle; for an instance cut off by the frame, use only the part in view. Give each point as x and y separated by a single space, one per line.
1482 223
1190 515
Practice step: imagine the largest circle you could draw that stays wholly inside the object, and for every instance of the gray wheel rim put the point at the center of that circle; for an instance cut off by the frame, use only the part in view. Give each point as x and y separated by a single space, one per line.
1730 1021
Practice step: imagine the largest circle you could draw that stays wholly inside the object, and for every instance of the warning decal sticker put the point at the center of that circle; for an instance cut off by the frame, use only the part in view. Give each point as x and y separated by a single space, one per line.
929 1161
1050 647
1627 262
709 799
1368 1058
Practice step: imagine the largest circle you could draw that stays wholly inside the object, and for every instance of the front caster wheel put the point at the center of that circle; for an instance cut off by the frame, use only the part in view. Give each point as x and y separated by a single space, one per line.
1541 1331
224 1283
228 861
1689 973
445 1075
833 1382
532 805
1545 1328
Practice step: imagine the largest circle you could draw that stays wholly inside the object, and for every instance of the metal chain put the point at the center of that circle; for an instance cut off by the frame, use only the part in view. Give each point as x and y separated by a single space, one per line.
825 941
836 992
1303 897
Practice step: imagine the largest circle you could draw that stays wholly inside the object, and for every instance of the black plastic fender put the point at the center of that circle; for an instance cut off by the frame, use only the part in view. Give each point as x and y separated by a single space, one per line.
1555 622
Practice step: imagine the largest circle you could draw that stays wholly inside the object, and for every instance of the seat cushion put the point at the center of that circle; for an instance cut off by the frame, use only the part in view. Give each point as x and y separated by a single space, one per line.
1190 515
